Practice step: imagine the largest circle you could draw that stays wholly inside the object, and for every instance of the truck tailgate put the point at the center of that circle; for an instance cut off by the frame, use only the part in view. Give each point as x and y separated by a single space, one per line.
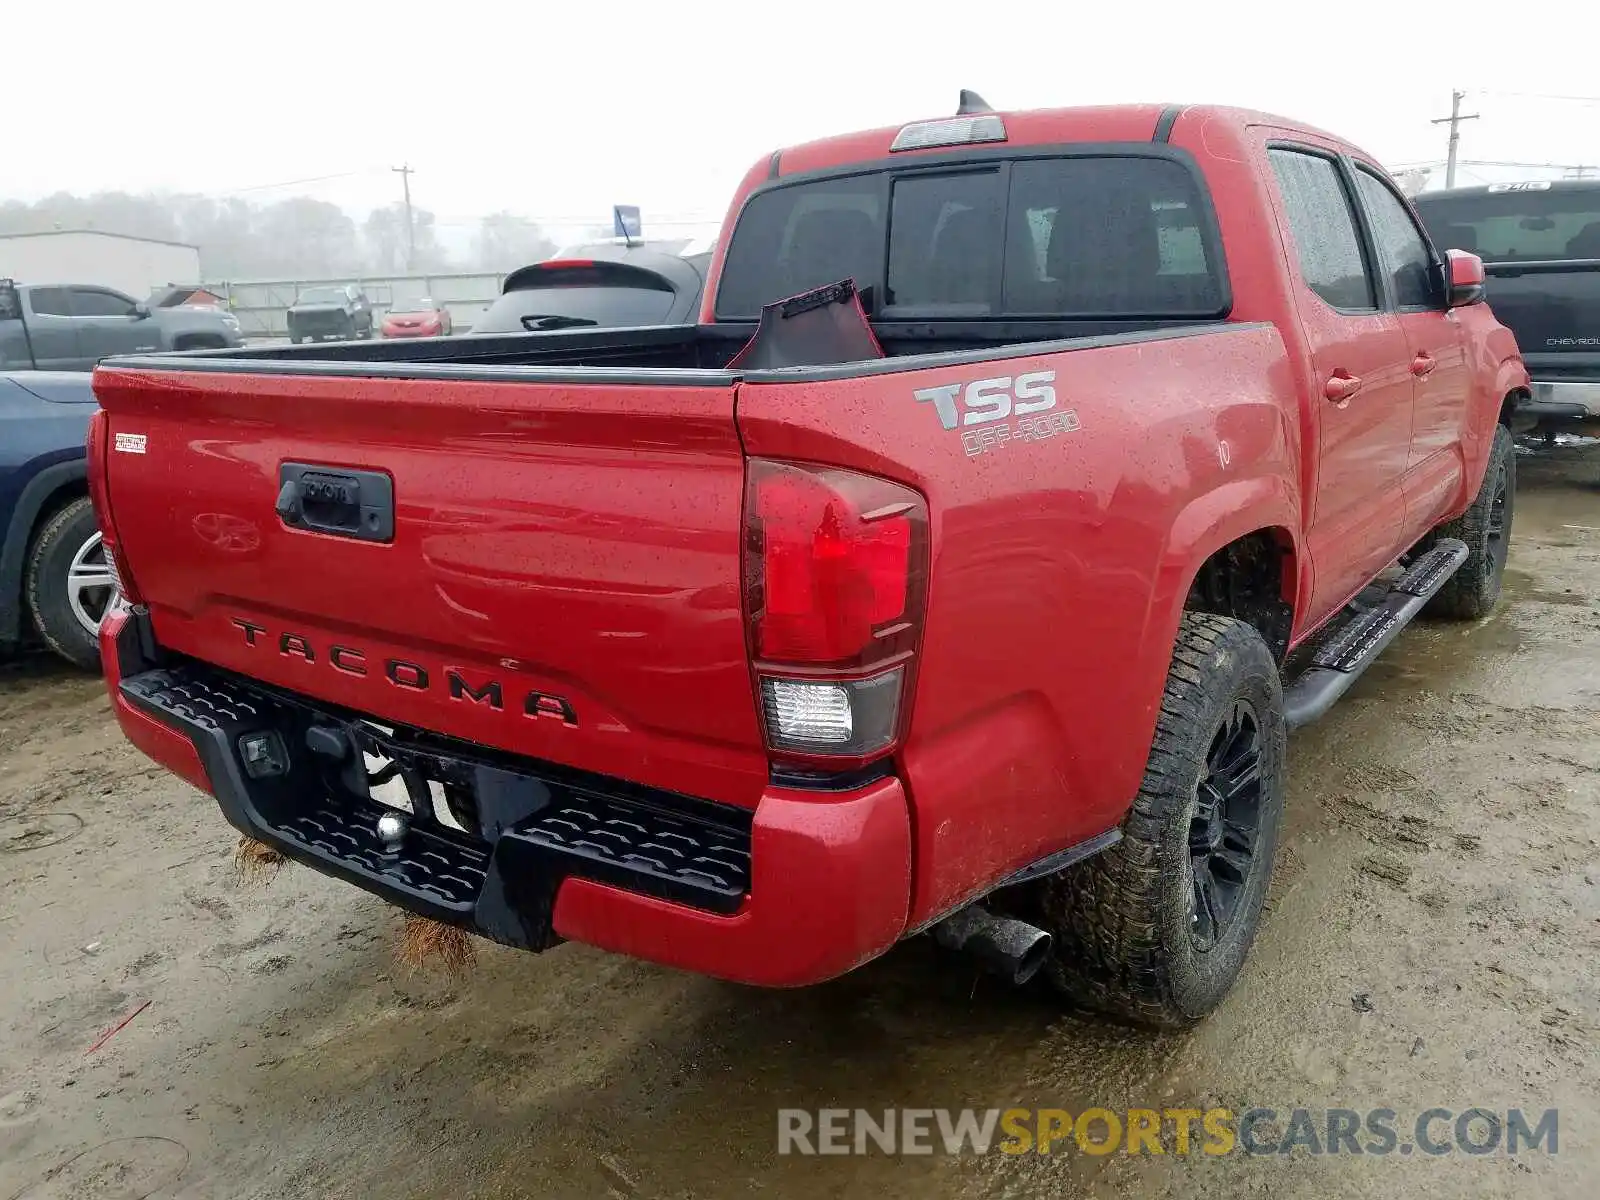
1554 309
562 579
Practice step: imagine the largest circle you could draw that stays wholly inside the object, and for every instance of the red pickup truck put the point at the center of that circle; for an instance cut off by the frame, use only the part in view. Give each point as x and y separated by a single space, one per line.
1027 476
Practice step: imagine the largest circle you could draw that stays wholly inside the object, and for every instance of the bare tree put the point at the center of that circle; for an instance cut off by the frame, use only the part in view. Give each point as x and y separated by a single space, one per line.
295 237
387 245
301 231
506 241
384 237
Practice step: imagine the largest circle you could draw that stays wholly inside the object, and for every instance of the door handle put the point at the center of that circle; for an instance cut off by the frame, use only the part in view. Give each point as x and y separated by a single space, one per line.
1423 364
1341 386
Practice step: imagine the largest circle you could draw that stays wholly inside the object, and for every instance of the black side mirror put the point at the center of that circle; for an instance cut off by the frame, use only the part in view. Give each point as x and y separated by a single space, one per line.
10 301
141 311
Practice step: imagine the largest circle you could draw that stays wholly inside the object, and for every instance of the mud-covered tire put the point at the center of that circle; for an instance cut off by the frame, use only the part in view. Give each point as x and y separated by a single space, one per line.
1485 527
1125 924
48 583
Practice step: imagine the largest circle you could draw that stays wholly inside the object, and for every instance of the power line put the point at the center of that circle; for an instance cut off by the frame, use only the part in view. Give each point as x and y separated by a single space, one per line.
653 222
1538 96
1492 162
267 187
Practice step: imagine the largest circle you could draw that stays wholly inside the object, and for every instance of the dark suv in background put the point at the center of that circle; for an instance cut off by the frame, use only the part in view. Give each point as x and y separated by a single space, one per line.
339 311
1540 243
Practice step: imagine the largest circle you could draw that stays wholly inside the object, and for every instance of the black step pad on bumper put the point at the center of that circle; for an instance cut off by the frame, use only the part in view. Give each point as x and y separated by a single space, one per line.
1351 648
529 824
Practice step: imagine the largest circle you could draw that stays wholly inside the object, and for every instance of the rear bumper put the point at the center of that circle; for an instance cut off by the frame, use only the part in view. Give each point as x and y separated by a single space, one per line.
808 887
1567 399
321 326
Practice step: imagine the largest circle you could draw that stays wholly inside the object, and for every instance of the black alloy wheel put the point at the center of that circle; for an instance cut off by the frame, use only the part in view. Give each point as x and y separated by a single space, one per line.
1223 830
1499 532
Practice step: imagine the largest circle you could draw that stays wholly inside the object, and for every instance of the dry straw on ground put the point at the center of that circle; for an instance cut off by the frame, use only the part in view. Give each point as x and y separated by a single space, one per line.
256 862
425 944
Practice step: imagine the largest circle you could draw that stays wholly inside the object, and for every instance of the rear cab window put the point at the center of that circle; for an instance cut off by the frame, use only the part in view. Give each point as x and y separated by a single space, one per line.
1093 236
1516 222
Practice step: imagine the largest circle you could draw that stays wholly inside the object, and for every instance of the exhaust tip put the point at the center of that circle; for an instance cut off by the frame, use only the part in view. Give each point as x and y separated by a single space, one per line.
1011 949
1033 959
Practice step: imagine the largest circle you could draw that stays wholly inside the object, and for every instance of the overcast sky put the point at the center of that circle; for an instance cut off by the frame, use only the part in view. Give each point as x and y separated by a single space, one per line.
559 110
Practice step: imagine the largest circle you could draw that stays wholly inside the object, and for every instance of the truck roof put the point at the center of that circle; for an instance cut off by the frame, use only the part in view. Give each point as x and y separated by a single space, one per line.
1534 185
1032 127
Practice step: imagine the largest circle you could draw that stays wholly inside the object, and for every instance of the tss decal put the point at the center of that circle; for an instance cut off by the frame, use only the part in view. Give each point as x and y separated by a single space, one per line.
991 399
988 403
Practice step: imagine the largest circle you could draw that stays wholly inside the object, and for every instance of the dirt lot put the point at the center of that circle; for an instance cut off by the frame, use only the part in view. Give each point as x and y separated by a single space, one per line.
1433 939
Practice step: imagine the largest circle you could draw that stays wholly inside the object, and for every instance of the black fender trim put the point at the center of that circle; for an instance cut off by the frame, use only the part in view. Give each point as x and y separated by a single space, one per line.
14 550
1050 864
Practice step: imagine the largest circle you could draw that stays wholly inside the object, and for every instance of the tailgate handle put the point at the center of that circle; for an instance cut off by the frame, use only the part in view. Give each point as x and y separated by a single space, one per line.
336 501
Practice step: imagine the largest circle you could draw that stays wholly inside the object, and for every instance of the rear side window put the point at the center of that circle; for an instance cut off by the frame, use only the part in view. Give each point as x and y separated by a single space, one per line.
1093 237
793 239
1516 223
1323 226
50 302
93 302
1405 255
1103 237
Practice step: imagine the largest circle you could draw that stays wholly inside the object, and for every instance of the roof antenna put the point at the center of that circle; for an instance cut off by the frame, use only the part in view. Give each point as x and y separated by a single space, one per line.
971 103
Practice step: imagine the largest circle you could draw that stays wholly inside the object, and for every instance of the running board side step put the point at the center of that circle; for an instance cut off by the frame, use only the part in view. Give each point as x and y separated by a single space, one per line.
1338 663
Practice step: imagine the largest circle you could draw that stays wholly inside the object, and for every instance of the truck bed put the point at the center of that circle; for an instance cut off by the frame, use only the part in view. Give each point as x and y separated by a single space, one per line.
685 354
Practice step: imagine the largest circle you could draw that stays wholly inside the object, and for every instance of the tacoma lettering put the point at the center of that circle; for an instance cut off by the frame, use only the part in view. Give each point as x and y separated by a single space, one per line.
488 694
413 676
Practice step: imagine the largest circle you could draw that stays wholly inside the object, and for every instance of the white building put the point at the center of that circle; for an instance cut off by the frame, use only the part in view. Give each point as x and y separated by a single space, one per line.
133 265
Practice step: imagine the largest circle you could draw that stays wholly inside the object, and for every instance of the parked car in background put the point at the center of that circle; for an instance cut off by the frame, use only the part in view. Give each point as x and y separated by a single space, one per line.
1540 243
339 311
601 284
55 583
417 318
72 326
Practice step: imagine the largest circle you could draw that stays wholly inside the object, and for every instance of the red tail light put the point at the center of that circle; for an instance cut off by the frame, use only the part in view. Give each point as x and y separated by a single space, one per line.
834 565
97 453
835 582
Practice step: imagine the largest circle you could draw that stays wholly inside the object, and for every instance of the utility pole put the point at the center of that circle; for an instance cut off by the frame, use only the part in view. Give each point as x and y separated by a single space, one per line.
1454 121
411 228
1578 172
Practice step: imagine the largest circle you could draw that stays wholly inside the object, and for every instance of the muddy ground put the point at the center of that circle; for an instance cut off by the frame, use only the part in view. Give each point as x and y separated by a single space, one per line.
1433 939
